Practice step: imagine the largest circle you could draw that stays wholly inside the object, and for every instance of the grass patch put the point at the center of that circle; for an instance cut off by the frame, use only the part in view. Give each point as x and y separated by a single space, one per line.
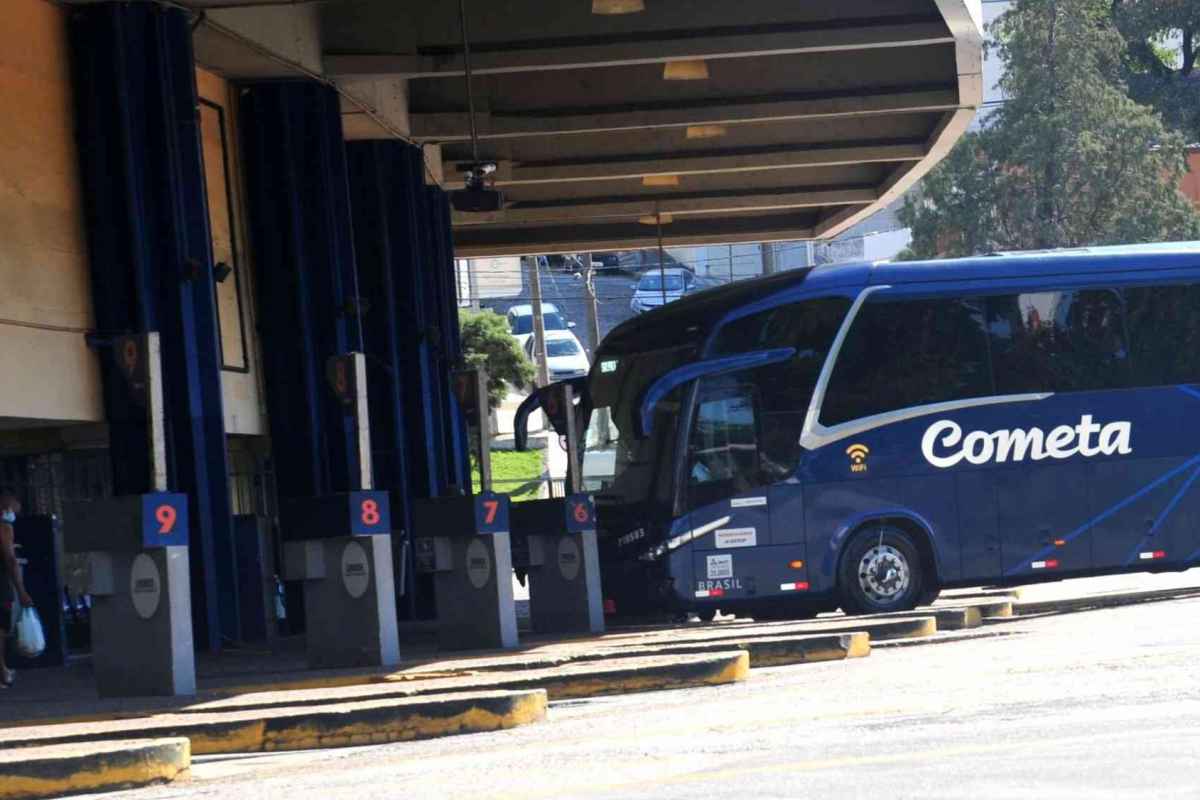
518 474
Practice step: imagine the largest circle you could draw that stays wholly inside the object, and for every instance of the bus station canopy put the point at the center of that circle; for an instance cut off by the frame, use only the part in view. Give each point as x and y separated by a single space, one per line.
719 122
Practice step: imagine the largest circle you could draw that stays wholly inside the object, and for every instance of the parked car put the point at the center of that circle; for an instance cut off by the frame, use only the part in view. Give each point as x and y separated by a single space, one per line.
606 262
565 357
520 320
658 287
637 261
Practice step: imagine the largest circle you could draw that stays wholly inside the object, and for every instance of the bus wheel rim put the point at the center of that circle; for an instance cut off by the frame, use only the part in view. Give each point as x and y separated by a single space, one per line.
884 574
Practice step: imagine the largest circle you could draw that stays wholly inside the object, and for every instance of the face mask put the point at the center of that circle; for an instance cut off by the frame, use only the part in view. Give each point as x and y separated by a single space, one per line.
8 517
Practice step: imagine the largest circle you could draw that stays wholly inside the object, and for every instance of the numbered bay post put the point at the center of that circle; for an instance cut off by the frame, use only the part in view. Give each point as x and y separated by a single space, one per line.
556 540
464 543
340 545
137 554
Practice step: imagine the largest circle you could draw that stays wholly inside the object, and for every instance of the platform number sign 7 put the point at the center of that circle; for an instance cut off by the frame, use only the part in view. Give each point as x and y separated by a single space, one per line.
491 513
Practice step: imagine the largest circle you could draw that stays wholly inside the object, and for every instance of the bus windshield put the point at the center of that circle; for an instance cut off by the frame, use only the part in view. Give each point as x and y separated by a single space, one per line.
616 463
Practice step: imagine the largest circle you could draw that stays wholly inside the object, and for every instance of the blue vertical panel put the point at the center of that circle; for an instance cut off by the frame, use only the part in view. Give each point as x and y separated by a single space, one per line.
302 239
149 246
379 229
446 288
405 261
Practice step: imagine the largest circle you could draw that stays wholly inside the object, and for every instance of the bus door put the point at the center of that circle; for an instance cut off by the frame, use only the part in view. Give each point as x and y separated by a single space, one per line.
729 515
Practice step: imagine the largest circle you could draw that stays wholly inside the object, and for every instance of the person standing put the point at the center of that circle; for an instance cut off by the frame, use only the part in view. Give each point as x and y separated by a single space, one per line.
12 586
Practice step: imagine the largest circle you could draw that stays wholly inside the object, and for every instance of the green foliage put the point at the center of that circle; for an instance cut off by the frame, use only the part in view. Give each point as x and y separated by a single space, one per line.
1162 48
518 474
487 343
1068 160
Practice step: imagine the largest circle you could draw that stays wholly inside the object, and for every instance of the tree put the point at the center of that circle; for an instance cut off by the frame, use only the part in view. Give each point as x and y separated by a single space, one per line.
487 343
1162 51
1068 160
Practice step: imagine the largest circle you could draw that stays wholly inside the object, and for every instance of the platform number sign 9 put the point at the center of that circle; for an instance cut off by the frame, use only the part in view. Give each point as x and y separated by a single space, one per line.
369 513
164 519
581 513
491 512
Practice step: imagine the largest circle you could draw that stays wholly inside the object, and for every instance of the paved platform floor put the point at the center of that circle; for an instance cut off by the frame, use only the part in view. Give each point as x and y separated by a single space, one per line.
1098 704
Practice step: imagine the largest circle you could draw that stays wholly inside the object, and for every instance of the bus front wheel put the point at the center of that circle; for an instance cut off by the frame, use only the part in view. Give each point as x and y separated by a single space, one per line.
880 571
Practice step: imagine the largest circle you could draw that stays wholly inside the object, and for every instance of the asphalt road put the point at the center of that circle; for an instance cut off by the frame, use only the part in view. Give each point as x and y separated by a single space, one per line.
1100 704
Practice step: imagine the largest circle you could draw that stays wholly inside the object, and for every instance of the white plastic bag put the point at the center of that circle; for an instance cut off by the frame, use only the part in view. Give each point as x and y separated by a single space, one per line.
31 639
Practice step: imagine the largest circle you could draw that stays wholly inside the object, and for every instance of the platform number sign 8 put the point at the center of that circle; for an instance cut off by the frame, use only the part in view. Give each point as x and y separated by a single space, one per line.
369 513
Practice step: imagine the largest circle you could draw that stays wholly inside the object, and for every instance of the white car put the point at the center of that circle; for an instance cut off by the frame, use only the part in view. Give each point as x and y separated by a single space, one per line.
520 321
658 287
565 357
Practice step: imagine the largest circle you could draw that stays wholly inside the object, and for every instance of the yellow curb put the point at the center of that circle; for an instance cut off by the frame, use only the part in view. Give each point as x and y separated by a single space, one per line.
859 645
291 728
41 772
709 669
525 709
1097 601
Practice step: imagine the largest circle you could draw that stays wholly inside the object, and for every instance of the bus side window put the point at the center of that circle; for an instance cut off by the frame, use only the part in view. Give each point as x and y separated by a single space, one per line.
1068 341
1164 334
723 449
901 354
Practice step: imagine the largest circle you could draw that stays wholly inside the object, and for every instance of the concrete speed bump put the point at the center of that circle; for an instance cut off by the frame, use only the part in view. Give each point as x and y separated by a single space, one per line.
59 770
998 609
308 727
957 619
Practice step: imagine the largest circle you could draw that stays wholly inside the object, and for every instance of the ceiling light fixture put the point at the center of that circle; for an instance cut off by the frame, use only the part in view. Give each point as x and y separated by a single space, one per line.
660 180
705 131
692 69
656 219
610 7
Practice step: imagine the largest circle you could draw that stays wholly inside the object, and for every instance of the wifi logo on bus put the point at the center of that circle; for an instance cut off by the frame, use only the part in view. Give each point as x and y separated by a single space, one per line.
858 457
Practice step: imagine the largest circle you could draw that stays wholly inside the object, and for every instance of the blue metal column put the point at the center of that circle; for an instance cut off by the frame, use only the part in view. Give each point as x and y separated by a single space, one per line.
300 231
405 258
149 244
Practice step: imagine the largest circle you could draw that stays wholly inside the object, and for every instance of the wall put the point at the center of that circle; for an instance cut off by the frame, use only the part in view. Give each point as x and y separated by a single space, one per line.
46 369
240 373
1191 181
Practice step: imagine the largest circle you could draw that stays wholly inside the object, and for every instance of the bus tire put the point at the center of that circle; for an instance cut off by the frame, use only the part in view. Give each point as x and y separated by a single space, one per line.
929 595
880 571
705 614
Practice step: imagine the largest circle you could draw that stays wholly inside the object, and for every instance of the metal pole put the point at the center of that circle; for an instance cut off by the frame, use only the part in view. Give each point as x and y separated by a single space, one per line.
485 432
539 327
662 272
573 482
362 422
156 413
593 313
768 258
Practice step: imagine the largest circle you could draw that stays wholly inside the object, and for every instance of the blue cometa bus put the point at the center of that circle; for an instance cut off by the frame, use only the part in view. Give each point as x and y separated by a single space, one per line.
862 436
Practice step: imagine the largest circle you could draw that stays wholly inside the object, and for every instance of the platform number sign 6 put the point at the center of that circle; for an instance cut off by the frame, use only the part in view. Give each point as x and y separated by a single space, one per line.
166 516
581 513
